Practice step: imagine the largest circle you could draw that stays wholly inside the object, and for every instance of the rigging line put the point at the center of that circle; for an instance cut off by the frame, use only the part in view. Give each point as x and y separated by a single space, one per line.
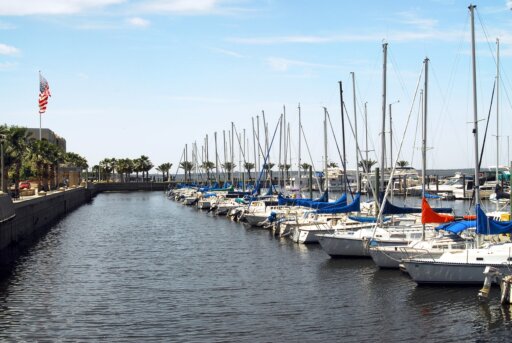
334 136
483 142
257 186
418 120
486 36
310 157
239 143
393 168
338 148
399 76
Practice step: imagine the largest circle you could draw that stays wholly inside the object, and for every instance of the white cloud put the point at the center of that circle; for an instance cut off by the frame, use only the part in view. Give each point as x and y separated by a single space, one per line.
8 50
396 36
411 18
283 64
228 52
509 4
8 65
138 22
51 7
181 6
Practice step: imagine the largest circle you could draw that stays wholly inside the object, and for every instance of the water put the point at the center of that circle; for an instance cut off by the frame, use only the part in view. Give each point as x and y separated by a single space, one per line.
137 267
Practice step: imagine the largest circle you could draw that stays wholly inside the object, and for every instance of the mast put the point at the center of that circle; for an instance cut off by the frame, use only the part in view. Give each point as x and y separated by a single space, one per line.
343 138
475 108
424 140
383 135
326 177
254 147
298 160
232 153
497 113
216 160
355 124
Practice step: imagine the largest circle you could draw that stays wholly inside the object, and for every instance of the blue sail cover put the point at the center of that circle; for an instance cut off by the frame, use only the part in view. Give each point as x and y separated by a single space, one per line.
432 196
489 226
342 201
458 226
355 206
389 208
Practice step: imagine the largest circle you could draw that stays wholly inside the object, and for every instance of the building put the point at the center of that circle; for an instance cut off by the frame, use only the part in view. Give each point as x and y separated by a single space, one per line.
48 135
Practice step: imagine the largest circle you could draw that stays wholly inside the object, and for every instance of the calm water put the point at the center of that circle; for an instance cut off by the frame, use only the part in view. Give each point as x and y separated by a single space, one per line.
138 267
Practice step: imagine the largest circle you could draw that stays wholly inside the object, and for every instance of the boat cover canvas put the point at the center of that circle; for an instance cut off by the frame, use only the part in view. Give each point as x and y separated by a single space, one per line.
457 227
342 201
355 206
389 208
428 215
489 226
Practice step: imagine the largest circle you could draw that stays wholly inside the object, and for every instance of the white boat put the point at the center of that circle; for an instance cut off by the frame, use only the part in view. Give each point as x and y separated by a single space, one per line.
356 243
460 266
392 256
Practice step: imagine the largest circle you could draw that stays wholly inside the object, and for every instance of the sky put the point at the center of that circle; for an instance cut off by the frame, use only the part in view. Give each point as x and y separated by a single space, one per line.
149 77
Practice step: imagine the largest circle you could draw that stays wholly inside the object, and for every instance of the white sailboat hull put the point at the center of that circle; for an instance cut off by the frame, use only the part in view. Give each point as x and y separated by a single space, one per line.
343 246
430 272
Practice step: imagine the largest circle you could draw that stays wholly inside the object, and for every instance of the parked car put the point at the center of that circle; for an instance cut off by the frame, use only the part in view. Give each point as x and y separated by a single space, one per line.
24 184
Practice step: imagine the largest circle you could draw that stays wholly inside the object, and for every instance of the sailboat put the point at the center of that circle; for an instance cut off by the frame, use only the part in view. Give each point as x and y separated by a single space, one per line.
467 266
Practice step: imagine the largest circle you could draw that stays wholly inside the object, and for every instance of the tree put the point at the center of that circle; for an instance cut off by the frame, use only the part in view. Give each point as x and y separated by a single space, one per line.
367 165
229 167
402 164
187 167
164 169
138 167
125 168
208 166
146 166
16 149
249 166
333 165
305 166
106 167
40 158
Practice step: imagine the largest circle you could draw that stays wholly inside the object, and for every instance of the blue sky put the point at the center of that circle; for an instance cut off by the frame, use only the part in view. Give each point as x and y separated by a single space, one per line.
149 76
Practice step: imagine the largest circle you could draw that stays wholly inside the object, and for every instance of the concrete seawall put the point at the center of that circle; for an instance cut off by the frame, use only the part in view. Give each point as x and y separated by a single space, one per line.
34 215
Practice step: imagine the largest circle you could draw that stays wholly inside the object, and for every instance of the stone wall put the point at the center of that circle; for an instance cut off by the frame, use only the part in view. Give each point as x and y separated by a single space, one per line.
40 212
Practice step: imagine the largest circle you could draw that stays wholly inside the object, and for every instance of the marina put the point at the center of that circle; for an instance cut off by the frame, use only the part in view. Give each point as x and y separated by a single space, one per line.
165 271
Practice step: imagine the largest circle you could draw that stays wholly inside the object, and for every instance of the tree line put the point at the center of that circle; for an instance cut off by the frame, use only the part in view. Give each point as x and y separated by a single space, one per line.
26 157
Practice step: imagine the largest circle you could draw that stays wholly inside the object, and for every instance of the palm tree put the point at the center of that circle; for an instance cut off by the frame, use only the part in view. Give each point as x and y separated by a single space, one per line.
40 157
228 167
287 170
164 169
15 151
249 166
208 166
106 167
56 157
187 167
333 165
402 164
125 168
367 165
146 166
305 166
138 167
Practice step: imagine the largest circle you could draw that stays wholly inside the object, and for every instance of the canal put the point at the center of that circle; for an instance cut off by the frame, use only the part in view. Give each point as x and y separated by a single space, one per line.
137 267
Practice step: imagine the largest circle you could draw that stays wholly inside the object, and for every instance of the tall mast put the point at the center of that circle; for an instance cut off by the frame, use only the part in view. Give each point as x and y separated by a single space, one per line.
424 140
216 159
497 113
326 177
232 153
475 108
383 135
355 125
254 146
343 138
298 160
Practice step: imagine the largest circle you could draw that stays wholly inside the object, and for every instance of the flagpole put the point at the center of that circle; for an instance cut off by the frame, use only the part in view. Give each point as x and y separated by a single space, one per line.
40 115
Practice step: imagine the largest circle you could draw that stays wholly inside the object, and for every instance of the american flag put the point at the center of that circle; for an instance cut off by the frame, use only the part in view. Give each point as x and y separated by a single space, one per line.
44 94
